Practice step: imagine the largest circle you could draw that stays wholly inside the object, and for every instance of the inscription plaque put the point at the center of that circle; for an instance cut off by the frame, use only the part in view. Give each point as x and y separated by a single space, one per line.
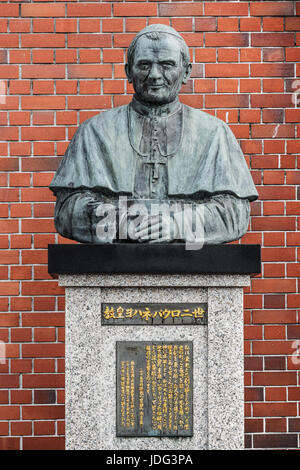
154 389
154 314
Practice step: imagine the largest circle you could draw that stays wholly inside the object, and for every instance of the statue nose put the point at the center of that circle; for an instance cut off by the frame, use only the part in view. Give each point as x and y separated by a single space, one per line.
155 71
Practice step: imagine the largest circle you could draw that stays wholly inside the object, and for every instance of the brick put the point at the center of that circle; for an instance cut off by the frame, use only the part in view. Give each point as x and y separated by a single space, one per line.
89 102
88 9
228 24
36 194
205 24
43 443
9 288
271 8
294 424
193 39
89 25
44 428
44 71
89 56
89 40
44 396
226 39
272 39
43 381
43 102
205 55
4 429
10 443
292 207
112 25
42 40
9 71
21 365
43 412
273 285
226 101
8 226
136 24
292 24
250 24
254 394
275 363
293 393
228 55
275 440
274 301
19 428
66 56
9 412
222 70
41 288
42 25
274 332
43 133
40 56
89 71
268 347
178 9
45 365
293 331
273 24
43 350
44 334
293 301
274 192
9 10
42 10
66 25
292 54
253 425
274 316
272 70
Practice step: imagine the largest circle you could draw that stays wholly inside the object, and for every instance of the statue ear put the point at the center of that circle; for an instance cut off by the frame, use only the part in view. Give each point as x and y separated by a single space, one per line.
128 73
187 73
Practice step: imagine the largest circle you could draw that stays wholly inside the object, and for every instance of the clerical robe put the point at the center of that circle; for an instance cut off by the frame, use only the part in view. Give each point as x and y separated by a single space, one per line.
169 152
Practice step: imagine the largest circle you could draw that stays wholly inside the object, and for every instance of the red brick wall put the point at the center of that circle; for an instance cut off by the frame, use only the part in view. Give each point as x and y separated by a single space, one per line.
62 62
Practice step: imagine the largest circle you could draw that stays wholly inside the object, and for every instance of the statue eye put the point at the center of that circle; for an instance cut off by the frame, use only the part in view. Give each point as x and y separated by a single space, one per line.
144 65
167 65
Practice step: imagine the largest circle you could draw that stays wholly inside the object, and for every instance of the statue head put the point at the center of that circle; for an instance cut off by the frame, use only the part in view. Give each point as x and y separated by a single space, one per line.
158 64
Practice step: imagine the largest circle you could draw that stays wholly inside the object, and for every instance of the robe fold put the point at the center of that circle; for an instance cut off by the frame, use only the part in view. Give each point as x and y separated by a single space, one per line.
208 161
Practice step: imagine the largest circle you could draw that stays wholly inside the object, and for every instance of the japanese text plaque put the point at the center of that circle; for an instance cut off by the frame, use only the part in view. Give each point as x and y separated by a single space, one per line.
154 389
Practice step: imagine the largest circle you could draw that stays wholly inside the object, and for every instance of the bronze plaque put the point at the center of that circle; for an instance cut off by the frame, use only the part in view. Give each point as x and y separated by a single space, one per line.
154 313
154 389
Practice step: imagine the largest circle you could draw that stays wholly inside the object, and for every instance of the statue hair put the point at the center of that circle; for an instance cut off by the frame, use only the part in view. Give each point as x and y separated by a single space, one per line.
155 36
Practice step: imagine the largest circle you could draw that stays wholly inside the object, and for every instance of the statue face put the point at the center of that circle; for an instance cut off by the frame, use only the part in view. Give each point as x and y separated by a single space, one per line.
157 72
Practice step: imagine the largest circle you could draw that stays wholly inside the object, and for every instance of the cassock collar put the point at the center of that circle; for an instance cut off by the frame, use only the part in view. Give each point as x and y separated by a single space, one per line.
156 111
168 126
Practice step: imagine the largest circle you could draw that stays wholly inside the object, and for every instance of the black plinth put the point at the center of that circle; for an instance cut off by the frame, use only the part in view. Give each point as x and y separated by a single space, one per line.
137 258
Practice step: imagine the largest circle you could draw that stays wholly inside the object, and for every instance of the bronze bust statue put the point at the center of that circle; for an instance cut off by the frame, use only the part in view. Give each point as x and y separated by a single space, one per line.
153 151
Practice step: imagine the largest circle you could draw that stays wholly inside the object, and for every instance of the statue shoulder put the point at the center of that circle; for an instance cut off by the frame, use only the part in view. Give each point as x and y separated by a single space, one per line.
106 120
203 120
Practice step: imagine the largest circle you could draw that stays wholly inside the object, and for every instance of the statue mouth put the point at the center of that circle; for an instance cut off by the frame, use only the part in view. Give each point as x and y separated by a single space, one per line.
152 85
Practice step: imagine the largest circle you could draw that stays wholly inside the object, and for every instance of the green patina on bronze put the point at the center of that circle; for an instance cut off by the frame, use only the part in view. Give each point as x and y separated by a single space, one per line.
154 148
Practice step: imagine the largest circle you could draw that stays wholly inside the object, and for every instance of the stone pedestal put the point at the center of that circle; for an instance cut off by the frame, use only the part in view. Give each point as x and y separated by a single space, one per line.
218 390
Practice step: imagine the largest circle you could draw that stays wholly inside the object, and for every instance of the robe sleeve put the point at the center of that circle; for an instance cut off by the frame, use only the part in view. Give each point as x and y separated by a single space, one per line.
75 216
222 168
219 219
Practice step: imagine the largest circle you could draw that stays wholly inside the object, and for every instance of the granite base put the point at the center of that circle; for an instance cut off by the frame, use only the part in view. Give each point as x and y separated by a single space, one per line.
218 414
